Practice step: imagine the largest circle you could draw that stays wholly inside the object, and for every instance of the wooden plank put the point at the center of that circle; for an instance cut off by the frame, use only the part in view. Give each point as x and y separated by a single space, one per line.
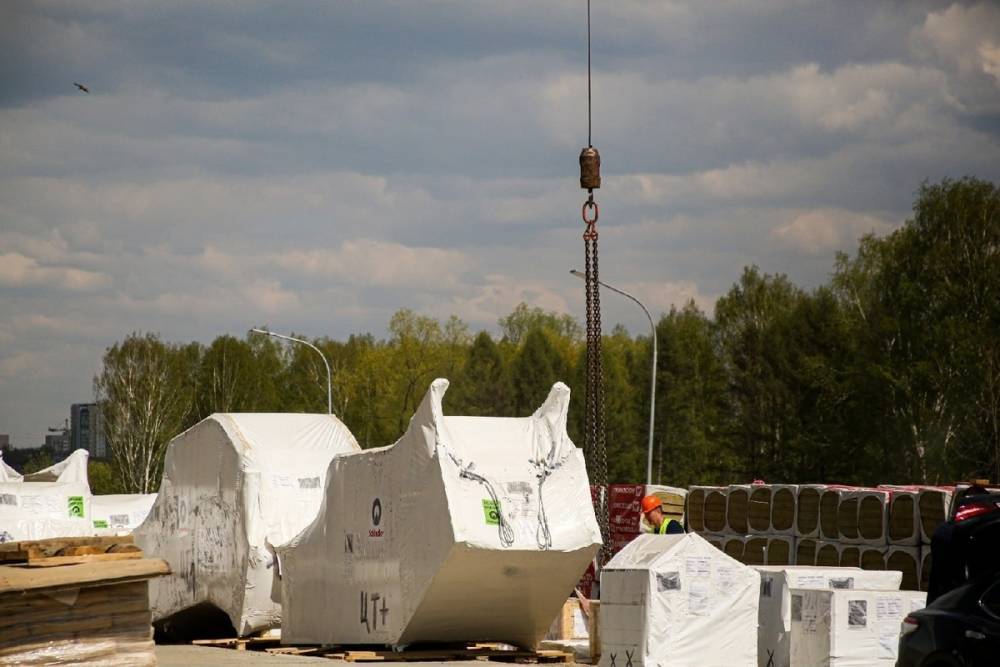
55 561
19 579
52 545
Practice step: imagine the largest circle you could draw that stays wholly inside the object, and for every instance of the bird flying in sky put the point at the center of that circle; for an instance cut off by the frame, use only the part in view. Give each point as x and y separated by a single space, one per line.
81 87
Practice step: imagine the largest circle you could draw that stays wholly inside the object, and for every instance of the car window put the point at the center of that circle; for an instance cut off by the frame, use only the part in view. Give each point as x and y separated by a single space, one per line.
991 599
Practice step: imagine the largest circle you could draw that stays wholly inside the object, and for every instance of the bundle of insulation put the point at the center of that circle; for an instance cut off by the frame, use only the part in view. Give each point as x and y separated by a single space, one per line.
934 503
465 529
235 486
119 514
706 509
807 503
906 560
39 510
848 628
775 614
904 514
676 600
784 509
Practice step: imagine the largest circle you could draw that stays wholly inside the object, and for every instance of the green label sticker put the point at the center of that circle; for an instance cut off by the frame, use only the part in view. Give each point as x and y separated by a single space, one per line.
100 523
76 507
491 511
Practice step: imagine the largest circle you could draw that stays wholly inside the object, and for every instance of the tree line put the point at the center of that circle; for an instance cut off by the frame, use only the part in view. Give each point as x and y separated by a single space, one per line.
889 373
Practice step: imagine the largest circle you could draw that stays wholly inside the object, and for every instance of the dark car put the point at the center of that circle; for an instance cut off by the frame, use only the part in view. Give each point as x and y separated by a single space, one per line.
960 627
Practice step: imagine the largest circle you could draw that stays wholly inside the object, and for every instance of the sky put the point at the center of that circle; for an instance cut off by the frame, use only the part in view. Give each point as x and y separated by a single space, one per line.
315 166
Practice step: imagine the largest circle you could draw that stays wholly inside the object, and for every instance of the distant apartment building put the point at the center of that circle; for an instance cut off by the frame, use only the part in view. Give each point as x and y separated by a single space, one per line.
60 443
87 430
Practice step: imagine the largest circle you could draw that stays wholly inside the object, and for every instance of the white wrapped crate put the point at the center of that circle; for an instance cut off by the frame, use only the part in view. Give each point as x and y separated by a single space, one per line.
466 529
775 615
72 469
119 513
235 486
40 510
848 628
675 600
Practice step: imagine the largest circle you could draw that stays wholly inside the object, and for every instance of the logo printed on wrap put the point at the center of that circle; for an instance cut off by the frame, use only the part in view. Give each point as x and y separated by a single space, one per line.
375 530
75 506
491 512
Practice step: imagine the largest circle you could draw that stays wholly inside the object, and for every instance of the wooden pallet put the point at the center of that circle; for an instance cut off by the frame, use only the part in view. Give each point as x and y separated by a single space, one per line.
69 551
492 652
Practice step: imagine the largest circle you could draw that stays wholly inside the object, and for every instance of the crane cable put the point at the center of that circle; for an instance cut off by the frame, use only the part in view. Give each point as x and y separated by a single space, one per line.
594 435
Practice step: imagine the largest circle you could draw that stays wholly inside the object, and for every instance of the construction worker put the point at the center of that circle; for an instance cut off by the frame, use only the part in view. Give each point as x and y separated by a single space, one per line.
651 507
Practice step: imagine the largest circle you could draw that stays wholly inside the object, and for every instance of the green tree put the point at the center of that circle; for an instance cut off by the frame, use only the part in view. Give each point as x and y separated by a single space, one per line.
523 319
103 478
536 368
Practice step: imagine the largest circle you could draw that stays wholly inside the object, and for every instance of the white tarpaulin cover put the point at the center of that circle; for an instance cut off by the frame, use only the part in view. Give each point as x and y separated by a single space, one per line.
775 616
39 510
119 514
466 529
234 487
8 474
677 601
73 468
849 628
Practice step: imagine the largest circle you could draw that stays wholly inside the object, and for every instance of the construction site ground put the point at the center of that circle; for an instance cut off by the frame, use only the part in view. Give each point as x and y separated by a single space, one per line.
181 655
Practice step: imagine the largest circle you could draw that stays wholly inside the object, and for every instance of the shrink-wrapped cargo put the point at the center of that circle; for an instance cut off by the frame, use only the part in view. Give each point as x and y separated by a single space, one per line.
119 514
674 600
466 529
775 615
8 474
862 516
39 510
805 550
72 469
828 554
235 486
780 550
848 628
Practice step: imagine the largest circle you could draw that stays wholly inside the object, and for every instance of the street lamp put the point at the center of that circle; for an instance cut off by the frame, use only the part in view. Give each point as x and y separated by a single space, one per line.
652 383
329 387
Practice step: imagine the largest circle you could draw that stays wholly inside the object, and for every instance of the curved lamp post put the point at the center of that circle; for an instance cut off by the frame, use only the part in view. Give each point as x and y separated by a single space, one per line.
652 383
329 386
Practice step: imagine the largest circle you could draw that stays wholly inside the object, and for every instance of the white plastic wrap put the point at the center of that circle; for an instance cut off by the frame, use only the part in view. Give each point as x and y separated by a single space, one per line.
235 486
39 510
676 601
466 529
848 628
775 616
119 514
8 474
72 469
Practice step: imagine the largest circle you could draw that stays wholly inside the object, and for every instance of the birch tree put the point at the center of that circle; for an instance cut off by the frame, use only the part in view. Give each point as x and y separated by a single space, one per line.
146 395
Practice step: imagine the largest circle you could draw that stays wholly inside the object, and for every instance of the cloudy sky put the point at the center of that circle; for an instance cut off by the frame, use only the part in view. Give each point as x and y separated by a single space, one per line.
316 166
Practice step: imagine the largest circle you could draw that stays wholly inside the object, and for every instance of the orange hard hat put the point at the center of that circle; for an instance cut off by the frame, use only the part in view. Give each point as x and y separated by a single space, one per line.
650 503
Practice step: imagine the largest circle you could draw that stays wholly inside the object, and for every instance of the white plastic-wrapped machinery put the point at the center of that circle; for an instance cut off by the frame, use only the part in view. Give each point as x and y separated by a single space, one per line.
465 529
775 615
849 628
40 510
234 487
72 469
119 513
677 601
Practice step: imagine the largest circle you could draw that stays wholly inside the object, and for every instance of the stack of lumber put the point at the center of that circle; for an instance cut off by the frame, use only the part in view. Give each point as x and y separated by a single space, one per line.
76 600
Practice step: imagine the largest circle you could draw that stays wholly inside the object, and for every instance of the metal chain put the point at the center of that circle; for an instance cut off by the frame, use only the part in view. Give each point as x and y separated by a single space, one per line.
594 447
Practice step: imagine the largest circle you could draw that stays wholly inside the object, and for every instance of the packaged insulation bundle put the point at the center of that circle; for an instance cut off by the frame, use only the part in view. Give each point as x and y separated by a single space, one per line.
738 509
904 514
848 628
907 561
706 509
466 529
235 486
934 504
775 614
807 501
784 506
675 601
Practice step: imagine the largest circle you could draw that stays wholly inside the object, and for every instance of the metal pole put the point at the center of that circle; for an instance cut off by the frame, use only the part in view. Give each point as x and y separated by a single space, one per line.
329 385
652 382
